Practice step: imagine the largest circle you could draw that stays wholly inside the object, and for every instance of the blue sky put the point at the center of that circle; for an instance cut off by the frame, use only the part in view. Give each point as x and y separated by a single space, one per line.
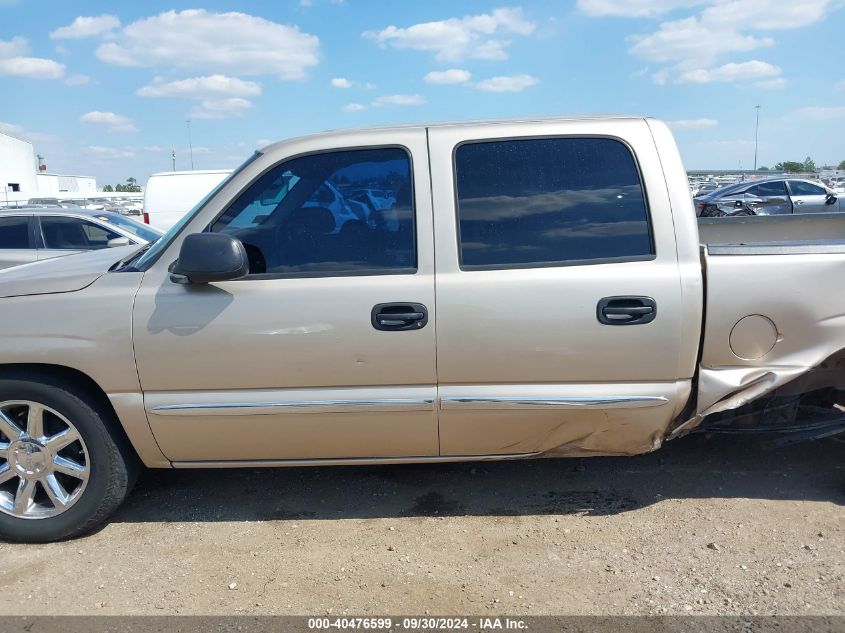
105 88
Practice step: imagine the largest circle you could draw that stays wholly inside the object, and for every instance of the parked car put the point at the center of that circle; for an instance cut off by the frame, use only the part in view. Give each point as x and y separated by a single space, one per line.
378 199
44 202
29 235
81 203
169 195
773 196
559 260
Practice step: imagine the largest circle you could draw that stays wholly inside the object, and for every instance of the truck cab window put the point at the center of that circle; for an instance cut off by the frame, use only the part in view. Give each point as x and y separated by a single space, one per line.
549 202
302 217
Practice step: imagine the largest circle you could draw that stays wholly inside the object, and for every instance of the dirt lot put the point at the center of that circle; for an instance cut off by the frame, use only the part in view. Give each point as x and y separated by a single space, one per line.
723 525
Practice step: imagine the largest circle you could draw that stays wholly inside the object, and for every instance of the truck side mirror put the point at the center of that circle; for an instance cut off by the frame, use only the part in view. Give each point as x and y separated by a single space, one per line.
207 257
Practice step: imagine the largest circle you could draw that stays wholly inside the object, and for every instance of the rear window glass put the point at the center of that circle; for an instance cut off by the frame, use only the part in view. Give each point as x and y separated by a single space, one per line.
774 188
547 202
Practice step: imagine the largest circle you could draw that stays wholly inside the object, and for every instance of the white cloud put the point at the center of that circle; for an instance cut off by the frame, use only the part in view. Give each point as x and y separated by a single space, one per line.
220 108
201 88
722 28
19 131
692 42
469 37
14 47
687 124
399 100
341 82
354 107
31 68
14 62
11 128
111 121
152 148
262 142
753 69
515 83
78 80
86 27
451 76
109 153
228 43
822 113
765 15
633 8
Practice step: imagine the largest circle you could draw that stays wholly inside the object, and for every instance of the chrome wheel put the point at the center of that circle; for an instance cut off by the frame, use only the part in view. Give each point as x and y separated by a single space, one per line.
44 465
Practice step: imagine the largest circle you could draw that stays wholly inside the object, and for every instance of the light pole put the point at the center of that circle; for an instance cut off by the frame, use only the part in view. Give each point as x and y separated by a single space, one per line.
173 158
190 146
756 128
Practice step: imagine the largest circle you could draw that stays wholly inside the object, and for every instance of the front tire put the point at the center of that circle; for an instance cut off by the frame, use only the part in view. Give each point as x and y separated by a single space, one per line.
62 471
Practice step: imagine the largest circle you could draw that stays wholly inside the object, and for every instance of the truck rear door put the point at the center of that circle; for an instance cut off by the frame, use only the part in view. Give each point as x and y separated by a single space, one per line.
558 289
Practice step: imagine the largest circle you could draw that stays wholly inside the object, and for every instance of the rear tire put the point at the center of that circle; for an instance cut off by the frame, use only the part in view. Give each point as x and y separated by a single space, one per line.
95 472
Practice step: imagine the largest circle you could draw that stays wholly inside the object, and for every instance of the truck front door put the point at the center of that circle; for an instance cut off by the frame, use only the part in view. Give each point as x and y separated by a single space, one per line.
326 349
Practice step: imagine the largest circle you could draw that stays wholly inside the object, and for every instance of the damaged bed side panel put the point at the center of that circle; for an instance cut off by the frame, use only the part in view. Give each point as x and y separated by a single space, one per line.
772 315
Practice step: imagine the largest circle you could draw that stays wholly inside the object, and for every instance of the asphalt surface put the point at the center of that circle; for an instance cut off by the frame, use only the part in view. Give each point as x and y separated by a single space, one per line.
719 525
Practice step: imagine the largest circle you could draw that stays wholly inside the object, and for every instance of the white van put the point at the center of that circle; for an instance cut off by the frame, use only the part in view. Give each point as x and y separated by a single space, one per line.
169 195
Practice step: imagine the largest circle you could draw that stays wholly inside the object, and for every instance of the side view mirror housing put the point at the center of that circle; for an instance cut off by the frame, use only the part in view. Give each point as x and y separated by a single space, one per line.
118 241
831 199
207 257
739 204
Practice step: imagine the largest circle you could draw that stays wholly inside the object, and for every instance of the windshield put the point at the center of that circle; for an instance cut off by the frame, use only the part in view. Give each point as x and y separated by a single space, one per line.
149 257
146 233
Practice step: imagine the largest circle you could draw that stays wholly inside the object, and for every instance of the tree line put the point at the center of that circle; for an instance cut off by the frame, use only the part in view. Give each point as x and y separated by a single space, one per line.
131 186
805 167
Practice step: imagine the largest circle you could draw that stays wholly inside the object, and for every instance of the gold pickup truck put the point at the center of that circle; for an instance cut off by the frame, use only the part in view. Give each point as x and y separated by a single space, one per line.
504 290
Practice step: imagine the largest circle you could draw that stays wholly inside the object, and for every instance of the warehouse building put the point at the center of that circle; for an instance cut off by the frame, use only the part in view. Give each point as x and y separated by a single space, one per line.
22 176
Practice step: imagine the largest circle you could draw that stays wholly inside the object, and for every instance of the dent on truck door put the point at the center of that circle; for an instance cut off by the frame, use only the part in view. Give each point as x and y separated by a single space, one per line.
558 294
326 350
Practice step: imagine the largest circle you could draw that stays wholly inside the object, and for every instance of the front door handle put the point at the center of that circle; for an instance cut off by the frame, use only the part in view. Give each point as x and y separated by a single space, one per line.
626 310
396 317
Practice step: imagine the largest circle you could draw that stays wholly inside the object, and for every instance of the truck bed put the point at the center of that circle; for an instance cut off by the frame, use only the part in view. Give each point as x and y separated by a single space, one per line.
774 319
771 228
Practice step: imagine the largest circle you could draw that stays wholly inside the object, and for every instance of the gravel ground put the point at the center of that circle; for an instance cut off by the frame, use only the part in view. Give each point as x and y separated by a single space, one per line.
720 525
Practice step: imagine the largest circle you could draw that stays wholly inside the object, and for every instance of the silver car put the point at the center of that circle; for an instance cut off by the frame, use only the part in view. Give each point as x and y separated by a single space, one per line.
775 196
29 235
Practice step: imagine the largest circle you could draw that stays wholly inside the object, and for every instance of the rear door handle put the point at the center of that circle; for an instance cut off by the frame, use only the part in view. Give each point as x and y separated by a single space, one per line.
396 317
626 310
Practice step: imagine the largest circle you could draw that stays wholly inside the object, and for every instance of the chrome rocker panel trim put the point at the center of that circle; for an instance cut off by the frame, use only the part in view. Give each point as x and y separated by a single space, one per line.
296 406
569 402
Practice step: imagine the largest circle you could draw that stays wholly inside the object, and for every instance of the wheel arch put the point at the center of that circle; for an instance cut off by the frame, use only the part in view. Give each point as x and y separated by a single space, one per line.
139 443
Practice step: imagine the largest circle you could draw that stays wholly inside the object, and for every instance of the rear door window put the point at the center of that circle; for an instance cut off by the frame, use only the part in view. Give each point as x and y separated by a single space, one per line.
801 188
14 232
550 202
